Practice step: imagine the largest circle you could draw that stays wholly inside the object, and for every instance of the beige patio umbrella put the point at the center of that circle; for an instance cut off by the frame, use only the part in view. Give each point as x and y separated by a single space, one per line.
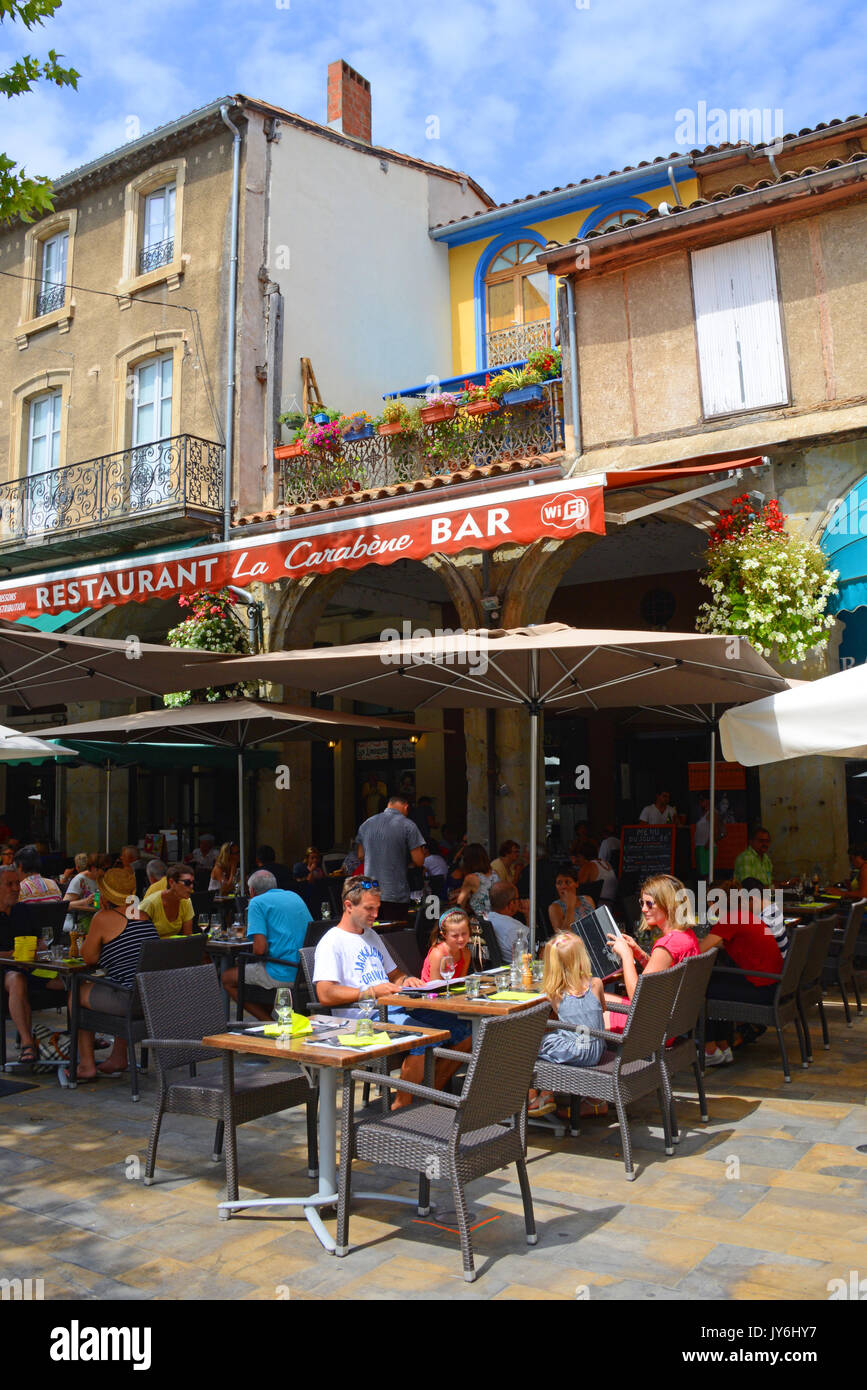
548 667
235 724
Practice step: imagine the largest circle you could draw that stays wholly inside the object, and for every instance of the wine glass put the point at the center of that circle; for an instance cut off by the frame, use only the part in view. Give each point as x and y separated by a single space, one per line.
448 967
283 1010
48 936
366 1010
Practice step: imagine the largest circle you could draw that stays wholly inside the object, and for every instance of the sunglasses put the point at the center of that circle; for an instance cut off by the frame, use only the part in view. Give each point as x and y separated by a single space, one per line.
648 902
187 882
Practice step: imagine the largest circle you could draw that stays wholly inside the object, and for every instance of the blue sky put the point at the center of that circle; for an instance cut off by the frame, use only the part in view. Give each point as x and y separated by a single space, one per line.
528 93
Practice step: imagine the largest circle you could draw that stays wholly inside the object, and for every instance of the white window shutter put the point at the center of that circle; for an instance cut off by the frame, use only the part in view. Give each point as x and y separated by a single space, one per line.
740 336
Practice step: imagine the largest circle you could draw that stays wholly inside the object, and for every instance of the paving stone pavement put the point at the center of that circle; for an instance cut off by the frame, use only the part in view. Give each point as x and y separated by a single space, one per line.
766 1201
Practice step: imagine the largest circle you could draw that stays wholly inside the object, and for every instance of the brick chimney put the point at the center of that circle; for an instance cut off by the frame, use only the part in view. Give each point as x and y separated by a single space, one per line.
348 101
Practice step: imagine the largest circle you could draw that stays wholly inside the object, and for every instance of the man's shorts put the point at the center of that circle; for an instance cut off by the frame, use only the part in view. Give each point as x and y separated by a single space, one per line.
256 973
458 1028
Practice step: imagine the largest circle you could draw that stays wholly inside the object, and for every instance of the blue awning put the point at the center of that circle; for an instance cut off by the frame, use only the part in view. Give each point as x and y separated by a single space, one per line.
454 383
845 543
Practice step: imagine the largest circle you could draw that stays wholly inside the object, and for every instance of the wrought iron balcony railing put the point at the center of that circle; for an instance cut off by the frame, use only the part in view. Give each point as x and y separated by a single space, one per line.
516 343
151 257
467 441
183 471
50 299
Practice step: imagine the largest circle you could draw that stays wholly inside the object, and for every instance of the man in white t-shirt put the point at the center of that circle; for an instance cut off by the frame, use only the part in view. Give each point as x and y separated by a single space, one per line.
352 961
660 811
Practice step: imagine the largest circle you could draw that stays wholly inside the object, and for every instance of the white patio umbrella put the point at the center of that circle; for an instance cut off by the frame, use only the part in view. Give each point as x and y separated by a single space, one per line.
826 716
235 724
547 667
26 748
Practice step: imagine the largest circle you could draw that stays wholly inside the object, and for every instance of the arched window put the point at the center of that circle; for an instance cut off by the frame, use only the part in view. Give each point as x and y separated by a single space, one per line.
516 290
616 219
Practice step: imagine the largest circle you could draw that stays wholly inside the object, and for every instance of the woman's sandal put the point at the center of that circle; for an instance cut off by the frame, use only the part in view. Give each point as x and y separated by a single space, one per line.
29 1054
543 1104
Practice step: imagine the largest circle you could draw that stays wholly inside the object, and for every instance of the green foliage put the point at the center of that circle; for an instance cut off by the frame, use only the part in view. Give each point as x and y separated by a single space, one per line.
20 194
212 626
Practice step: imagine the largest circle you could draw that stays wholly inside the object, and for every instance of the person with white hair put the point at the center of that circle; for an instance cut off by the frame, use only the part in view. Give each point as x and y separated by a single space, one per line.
204 856
277 922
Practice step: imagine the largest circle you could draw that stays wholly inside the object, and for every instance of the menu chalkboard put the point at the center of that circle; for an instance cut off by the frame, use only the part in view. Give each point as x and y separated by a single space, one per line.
647 849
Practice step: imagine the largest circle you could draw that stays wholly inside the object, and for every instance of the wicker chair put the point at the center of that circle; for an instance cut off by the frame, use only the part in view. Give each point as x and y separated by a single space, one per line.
167 954
839 968
683 1027
782 1009
634 1070
458 1138
181 1007
810 994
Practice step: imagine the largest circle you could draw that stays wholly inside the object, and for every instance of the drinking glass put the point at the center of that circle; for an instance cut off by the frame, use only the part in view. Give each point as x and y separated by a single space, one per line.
204 921
366 1010
538 972
447 971
325 912
283 1010
48 936
474 987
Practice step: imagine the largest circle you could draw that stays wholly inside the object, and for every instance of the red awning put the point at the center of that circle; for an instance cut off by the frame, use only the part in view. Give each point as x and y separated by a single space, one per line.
692 468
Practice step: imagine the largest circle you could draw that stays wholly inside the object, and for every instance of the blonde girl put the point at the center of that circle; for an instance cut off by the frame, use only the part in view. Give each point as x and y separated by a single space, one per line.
578 1001
451 937
224 870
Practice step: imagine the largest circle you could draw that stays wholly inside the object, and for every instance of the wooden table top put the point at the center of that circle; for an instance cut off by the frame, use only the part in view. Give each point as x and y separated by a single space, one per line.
60 966
305 1050
460 1005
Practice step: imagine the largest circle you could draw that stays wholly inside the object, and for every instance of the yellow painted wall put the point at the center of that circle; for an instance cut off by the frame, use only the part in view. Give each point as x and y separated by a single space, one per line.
464 259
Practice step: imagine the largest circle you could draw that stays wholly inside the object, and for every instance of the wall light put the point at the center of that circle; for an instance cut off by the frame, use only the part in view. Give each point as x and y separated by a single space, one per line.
334 743
415 738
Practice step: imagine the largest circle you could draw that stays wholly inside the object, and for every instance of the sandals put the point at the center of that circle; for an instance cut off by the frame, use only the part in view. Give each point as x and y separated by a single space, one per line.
541 1103
29 1054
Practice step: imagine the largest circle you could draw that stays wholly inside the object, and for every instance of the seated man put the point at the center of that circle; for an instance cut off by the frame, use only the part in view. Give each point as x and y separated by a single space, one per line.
352 960
156 872
13 924
504 904
276 924
754 861
267 859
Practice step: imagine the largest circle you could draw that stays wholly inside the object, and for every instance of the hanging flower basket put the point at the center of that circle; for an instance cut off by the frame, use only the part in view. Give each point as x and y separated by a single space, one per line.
526 395
435 414
481 407
396 427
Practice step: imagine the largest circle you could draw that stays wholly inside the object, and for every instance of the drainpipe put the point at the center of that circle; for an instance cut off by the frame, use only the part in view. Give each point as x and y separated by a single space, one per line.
674 187
572 327
230 353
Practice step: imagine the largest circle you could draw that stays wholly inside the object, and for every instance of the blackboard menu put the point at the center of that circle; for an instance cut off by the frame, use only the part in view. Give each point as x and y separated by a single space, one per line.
647 849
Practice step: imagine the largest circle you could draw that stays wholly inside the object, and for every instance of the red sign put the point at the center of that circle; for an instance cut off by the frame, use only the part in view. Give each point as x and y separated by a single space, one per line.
517 515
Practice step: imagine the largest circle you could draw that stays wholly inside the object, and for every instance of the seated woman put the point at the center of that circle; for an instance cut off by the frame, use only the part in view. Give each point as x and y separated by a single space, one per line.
225 869
667 915
750 943
172 911
113 944
475 889
309 869
578 999
569 904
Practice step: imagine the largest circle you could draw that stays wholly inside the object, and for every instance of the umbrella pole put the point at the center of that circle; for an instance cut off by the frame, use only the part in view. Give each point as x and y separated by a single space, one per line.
711 824
242 863
107 805
534 791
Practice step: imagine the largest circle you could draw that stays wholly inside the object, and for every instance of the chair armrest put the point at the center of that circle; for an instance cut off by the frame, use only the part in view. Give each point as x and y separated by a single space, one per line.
735 970
617 1008
613 1039
189 1043
377 1078
451 1055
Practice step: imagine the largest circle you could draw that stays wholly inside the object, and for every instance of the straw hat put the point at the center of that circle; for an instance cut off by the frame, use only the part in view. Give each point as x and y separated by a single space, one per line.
117 885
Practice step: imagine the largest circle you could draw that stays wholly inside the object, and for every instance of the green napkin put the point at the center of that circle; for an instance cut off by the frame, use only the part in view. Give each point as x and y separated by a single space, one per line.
300 1026
351 1040
46 974
504 995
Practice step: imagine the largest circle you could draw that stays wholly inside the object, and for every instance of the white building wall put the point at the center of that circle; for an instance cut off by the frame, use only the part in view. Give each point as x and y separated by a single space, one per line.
366 290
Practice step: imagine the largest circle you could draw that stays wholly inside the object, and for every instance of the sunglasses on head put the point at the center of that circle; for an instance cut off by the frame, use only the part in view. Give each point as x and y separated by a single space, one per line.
368 883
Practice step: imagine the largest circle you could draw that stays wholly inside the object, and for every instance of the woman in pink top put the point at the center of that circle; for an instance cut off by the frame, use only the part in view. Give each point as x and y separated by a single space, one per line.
664 907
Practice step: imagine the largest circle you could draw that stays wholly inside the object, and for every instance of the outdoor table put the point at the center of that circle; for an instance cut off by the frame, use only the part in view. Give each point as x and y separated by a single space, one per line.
473 1009
314 1057
68 971
808 910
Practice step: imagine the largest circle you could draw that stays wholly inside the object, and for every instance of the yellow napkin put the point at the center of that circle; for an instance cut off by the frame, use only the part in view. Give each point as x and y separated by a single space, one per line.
351 1040
300 1026
46 974
505 995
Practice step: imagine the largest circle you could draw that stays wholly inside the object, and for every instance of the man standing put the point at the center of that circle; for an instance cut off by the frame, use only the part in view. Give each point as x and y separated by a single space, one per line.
754 862
660 811
277 925
702 835
386 841
353 961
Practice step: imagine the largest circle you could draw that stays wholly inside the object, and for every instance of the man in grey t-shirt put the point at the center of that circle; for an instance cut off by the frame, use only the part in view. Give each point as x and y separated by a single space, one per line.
387 842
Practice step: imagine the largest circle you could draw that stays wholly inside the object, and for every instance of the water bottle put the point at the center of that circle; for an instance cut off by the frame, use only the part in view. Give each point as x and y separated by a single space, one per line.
519 950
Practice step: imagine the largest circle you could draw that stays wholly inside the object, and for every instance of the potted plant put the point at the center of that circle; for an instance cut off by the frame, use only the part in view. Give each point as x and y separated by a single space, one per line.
476 399
548 362
358 425
441 405
395 418
521 387
321 417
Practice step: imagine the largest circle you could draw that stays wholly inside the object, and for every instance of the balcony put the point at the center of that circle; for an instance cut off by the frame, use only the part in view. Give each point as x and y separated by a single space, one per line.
508 345
465 442
54 297
152 257
173 487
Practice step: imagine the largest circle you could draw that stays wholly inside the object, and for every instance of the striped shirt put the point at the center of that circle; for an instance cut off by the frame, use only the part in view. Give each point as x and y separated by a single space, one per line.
119 958
387 840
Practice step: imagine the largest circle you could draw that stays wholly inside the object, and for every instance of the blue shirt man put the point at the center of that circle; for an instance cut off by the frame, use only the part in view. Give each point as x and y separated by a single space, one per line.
281 919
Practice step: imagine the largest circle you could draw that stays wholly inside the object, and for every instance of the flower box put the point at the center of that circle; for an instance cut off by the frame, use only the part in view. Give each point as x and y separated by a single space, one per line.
289 451
364 433
481 407
435 414
395 427
526 395
320 418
